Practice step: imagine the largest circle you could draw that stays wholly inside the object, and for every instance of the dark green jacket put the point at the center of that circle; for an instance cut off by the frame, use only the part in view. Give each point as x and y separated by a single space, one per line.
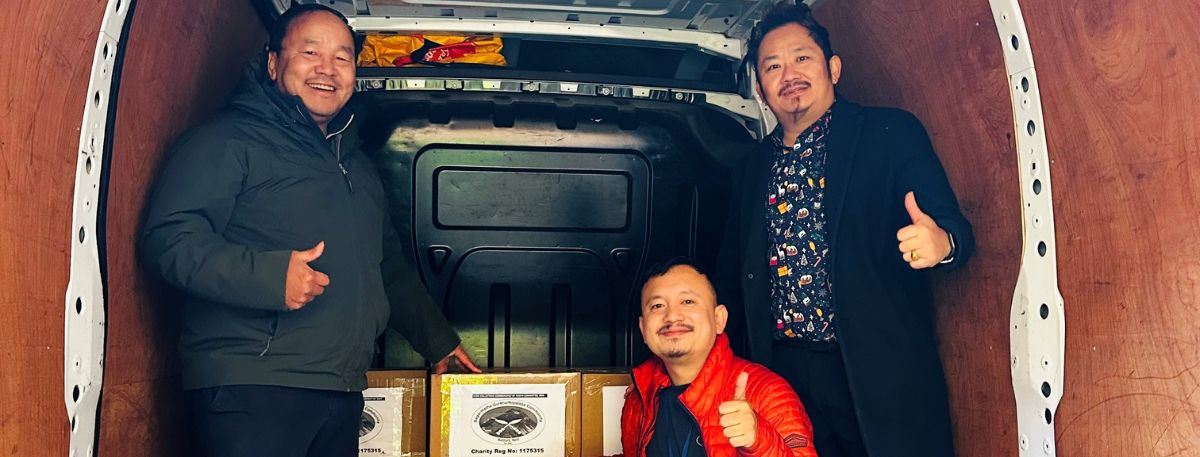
232 202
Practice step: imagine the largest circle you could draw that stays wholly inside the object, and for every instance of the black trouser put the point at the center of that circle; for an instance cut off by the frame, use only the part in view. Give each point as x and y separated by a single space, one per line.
269 421
816 372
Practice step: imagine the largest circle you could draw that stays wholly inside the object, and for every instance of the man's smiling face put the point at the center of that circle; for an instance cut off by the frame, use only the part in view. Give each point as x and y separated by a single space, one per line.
316 63
680 316
796 78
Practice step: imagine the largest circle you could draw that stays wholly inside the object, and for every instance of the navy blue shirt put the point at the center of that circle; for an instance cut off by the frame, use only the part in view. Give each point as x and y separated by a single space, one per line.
676 432
798 246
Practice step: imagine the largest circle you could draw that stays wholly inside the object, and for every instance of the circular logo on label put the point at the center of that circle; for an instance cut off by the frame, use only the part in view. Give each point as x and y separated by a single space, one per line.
508 422
369 426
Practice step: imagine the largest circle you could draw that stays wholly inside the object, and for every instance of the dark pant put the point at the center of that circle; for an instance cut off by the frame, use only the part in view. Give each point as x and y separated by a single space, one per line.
816 372
269 421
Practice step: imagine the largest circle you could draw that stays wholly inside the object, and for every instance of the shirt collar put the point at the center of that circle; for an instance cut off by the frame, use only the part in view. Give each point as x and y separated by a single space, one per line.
822 123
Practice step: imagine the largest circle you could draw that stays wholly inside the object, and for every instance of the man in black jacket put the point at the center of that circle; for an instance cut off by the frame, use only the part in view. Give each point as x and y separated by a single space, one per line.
839 216
275 226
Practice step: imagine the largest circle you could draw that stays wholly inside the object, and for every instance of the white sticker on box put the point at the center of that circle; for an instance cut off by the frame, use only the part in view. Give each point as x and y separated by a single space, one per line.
613 399
382 426
508 419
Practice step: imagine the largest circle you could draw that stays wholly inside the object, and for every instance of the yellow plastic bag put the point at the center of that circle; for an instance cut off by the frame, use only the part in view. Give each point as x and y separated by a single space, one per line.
407 50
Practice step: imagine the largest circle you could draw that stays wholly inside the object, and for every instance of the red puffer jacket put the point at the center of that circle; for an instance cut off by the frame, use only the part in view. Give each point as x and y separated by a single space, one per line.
783 426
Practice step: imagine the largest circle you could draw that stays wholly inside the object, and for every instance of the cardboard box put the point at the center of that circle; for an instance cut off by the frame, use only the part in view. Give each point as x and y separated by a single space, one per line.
526 413
395 410
602 400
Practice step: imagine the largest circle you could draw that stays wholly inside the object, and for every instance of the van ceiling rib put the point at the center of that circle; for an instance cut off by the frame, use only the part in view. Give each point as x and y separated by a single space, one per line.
731 18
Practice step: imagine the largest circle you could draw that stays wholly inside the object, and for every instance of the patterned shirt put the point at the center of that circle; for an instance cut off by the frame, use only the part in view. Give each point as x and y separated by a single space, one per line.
798 248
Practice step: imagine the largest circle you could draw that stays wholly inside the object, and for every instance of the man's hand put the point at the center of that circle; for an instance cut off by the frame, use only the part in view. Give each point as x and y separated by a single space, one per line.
923 244
459 356
738 418
303 282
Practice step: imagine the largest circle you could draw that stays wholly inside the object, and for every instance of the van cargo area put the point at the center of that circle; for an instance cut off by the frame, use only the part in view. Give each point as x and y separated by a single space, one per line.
533 195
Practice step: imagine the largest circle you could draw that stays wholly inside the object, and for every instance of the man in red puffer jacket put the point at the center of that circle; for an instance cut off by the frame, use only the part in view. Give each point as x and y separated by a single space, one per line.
696 398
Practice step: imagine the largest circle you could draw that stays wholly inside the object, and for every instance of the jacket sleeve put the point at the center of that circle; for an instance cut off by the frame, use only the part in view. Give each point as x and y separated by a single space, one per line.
414 312
182 238
784 429
920 171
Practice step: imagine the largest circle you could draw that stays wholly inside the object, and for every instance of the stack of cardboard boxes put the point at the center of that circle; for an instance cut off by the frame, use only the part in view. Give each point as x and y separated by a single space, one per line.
395 407
545 413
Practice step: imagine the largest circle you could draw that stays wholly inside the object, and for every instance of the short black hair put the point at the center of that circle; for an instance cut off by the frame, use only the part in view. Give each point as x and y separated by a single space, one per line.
280 28
662 268
783 14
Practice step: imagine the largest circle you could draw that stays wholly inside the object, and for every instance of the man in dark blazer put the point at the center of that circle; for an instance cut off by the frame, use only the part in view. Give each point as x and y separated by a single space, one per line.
839 217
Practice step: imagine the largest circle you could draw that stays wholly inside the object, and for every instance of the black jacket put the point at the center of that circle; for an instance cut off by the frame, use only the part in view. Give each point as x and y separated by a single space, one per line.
236 197
885 324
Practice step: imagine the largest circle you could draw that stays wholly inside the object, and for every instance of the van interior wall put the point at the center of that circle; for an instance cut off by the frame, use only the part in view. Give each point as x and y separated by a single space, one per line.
1118 87
43 84
942 61
181 60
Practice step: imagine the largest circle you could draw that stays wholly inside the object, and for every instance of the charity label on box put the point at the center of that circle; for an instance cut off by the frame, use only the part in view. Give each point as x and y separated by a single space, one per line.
382 425
508 419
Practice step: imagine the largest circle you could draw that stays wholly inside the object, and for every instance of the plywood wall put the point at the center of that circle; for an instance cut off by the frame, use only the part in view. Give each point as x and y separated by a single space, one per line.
181 61
1119 84
44 75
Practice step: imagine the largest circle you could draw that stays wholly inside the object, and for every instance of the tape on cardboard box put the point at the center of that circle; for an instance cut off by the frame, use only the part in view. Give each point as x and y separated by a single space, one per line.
394 414
518 413
602 400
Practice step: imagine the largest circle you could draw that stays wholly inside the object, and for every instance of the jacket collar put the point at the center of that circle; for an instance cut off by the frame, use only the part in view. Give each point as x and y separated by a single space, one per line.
843 145
651 377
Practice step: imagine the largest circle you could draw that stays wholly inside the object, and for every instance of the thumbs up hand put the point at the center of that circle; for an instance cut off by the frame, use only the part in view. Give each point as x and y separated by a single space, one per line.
922 243
738 419
304 283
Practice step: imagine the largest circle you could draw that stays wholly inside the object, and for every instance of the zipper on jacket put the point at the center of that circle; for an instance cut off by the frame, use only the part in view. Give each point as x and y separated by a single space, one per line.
337 151
268 348
699 429
643 441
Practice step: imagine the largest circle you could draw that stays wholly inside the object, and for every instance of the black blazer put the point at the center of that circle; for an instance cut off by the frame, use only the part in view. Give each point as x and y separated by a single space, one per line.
885 323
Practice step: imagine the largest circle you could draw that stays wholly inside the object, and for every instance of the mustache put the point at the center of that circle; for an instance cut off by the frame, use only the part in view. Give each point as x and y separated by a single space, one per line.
668 327
789 85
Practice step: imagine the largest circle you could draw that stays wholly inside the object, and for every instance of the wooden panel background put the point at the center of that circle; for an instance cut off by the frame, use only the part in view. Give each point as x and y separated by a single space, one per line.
942 60
1119 81
1121 85
182 60
43 87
